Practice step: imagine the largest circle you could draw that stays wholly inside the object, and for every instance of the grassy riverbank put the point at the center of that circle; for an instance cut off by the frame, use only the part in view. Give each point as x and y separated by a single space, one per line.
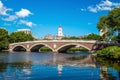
45 49
112 53
77 49
71 49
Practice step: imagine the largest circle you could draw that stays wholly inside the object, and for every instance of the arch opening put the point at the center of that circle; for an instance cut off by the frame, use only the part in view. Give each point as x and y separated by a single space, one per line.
40 48
65 48
19 48
75 47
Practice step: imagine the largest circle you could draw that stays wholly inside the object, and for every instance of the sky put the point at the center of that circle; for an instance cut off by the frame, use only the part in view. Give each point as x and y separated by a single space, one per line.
42 17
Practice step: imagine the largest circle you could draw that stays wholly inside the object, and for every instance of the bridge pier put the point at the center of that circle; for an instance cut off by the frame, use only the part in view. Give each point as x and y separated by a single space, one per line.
28 50
55 51
10 50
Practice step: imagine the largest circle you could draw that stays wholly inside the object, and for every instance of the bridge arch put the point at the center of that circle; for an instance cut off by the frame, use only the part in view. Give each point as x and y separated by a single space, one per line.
36 47
65 47
19 48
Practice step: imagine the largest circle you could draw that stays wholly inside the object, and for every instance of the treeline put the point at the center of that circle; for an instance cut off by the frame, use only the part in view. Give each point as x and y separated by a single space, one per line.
91 36
69 50
6 38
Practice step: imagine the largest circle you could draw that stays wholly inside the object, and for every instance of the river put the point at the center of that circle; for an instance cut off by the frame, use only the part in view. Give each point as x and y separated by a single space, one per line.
50 66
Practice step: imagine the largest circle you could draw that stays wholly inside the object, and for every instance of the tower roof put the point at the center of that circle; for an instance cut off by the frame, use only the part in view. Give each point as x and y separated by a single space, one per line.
60 26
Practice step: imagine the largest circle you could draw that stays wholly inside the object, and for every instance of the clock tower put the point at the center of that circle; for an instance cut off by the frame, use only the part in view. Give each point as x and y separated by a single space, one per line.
60 33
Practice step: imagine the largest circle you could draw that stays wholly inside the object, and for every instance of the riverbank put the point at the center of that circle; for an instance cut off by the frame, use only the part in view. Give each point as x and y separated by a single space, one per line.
4 51
69 50
45 49
77 49
110 53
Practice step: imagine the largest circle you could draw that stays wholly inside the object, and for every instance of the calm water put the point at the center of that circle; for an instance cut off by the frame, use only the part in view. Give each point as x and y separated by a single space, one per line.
49 66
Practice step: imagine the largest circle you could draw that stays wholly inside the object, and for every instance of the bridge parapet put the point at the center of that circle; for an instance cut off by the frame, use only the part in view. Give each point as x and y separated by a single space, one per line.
58 45
84 41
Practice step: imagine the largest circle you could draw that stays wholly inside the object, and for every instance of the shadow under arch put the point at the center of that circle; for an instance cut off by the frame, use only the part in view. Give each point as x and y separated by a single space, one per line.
19 48
36 47
65 47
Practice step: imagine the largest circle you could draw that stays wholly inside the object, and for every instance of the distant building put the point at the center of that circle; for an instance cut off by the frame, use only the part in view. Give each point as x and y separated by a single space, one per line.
60 33
48 36
27 31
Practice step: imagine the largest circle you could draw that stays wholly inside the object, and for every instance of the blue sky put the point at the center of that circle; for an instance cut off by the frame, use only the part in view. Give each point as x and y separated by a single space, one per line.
77 17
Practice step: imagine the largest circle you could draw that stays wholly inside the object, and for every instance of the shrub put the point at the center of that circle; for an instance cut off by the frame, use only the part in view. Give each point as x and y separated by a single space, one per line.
112 52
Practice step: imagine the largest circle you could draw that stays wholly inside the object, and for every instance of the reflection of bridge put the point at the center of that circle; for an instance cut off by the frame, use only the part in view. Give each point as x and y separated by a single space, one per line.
57 45
88 60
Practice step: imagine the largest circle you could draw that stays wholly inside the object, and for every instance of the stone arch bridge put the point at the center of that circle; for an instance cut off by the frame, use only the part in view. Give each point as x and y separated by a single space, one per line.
58 45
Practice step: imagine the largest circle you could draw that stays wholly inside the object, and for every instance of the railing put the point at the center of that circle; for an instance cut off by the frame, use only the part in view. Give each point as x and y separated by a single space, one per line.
83 41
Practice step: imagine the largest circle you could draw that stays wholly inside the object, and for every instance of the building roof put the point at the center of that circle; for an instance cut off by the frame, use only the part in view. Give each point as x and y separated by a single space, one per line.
60 26
23 30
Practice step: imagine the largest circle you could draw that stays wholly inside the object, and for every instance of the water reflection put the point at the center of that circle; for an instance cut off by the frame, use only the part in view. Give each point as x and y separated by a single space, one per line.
105 75
59 66
107 72
4 66
49 66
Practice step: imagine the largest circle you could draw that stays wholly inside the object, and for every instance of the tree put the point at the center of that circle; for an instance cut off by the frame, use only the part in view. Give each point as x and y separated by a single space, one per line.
114 38
114 21
102 26
20 37
92 36
4 42
110 24
71 38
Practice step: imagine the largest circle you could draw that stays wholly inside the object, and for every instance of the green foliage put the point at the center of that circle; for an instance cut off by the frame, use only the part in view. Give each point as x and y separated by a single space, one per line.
71 38
45 49
93 36
4 39
102 24
110 24
77 49
114 38
20 37
13 37
109 63
114 17
112 52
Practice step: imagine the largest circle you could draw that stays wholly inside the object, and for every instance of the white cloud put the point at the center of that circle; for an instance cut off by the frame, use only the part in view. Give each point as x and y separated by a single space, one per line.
23 13
105 5
16 16
92 9
3 9
83 9
10 18
89 23
27 23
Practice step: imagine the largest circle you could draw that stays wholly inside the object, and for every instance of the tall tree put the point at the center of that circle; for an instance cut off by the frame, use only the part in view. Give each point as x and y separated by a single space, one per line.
4 42
102 26
110 24
114 21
